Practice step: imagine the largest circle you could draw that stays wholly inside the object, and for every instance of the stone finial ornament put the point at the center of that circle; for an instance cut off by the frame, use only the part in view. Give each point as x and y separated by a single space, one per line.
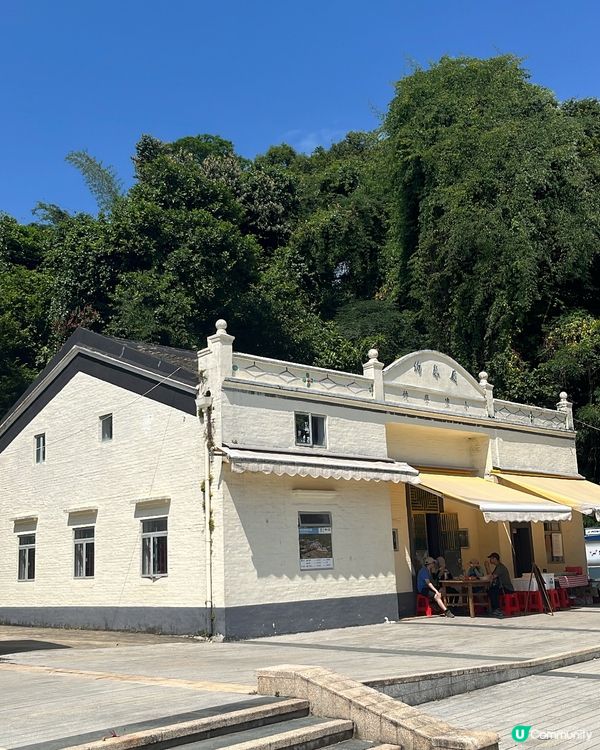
373 369
566 407
221 325
483 378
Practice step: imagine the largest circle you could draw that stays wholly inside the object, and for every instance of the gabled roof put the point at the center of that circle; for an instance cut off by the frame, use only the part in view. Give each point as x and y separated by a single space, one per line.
161 373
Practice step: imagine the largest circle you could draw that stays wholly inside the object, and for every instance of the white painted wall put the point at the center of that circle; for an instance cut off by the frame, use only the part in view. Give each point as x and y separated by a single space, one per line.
261 421
156 452
261 539
529 451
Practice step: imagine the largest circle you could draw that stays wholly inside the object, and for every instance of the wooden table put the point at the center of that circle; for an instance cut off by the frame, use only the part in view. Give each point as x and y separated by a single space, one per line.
465 594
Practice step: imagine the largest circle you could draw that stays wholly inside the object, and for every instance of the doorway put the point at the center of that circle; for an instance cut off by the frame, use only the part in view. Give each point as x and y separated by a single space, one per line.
433 532
522 544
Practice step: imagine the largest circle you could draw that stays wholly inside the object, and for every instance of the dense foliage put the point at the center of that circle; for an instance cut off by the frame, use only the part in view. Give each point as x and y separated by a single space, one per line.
469 222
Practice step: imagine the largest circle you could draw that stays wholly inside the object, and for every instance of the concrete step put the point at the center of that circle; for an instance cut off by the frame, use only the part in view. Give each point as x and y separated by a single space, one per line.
166 734
306 733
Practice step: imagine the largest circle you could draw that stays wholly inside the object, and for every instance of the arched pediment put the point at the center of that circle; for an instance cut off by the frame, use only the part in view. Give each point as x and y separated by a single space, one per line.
432 371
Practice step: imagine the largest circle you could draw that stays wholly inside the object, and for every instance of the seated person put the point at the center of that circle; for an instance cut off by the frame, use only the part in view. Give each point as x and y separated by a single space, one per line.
426 587
443 574
500 583
474 569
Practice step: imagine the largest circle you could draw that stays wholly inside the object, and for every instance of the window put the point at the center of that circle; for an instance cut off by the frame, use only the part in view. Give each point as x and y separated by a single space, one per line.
26 557
154 547
40 448
84 552
554 542
314 531
310 429
106 428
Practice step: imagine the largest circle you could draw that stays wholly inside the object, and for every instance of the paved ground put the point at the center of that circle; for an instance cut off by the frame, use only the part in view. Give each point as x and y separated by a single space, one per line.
564 700
88 680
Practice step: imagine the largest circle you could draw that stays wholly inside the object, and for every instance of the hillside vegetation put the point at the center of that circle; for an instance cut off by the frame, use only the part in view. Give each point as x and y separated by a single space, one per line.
469 223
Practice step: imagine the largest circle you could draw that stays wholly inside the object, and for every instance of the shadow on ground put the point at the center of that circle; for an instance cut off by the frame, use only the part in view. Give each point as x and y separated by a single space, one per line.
19 647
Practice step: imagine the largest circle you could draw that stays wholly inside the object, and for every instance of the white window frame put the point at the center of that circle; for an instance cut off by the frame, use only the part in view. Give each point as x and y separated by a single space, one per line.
102 421
311 416
39 448
26 549
151 538
85 543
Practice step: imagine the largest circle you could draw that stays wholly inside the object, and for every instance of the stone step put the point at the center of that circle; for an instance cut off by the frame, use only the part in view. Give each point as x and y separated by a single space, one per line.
306 733
174 733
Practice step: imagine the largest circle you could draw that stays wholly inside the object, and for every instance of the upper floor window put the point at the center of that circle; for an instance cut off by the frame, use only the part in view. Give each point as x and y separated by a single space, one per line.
40 448
26 557
154 547
106 428
310 429
84 552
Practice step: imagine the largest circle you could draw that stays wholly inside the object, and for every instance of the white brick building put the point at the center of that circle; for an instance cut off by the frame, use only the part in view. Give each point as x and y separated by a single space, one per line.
144 487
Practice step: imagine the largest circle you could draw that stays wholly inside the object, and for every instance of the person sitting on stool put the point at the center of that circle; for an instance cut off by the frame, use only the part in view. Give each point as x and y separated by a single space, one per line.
426 588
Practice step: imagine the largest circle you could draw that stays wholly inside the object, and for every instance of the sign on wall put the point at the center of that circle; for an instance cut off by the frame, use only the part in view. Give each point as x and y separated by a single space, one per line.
315 541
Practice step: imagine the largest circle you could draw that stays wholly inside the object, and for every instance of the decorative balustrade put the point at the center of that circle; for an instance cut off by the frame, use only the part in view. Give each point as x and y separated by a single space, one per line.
535 416
473 400
276 372
291 375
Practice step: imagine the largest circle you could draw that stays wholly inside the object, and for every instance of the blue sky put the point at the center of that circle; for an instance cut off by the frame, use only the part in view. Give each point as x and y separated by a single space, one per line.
95 74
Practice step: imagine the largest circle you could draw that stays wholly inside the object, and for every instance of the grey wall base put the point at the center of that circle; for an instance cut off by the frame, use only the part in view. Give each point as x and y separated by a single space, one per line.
171 620
232 622
407 604
306 616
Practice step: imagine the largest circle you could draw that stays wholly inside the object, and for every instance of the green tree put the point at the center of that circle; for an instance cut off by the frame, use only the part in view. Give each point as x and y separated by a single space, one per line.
101 180
24 297
494 211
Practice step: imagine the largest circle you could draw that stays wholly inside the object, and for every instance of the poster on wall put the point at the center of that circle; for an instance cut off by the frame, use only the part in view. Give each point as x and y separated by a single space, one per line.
316 551
557 545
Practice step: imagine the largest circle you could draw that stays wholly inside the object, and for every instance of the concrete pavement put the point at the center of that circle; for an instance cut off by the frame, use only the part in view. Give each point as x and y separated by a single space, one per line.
105 679
562 701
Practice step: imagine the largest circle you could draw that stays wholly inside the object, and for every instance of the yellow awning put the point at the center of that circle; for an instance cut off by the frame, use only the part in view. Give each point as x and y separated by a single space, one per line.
578 494
495 501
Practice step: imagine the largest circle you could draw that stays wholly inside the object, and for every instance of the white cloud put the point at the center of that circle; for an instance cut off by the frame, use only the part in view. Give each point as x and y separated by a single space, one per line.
307 141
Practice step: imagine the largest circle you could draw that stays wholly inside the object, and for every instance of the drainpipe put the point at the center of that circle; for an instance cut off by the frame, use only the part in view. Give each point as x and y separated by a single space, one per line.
204 405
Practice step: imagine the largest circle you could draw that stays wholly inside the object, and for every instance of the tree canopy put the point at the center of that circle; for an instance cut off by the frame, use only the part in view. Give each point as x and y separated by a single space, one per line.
468 222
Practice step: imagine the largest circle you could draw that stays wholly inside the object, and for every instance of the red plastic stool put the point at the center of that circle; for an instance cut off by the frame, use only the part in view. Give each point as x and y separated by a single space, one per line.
554 598
424 606
535 603
563 598
509 604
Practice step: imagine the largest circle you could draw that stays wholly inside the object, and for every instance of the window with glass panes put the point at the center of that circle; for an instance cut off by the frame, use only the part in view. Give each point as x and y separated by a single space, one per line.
40 448
84 541
154 547
310 429
106 428
26 557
